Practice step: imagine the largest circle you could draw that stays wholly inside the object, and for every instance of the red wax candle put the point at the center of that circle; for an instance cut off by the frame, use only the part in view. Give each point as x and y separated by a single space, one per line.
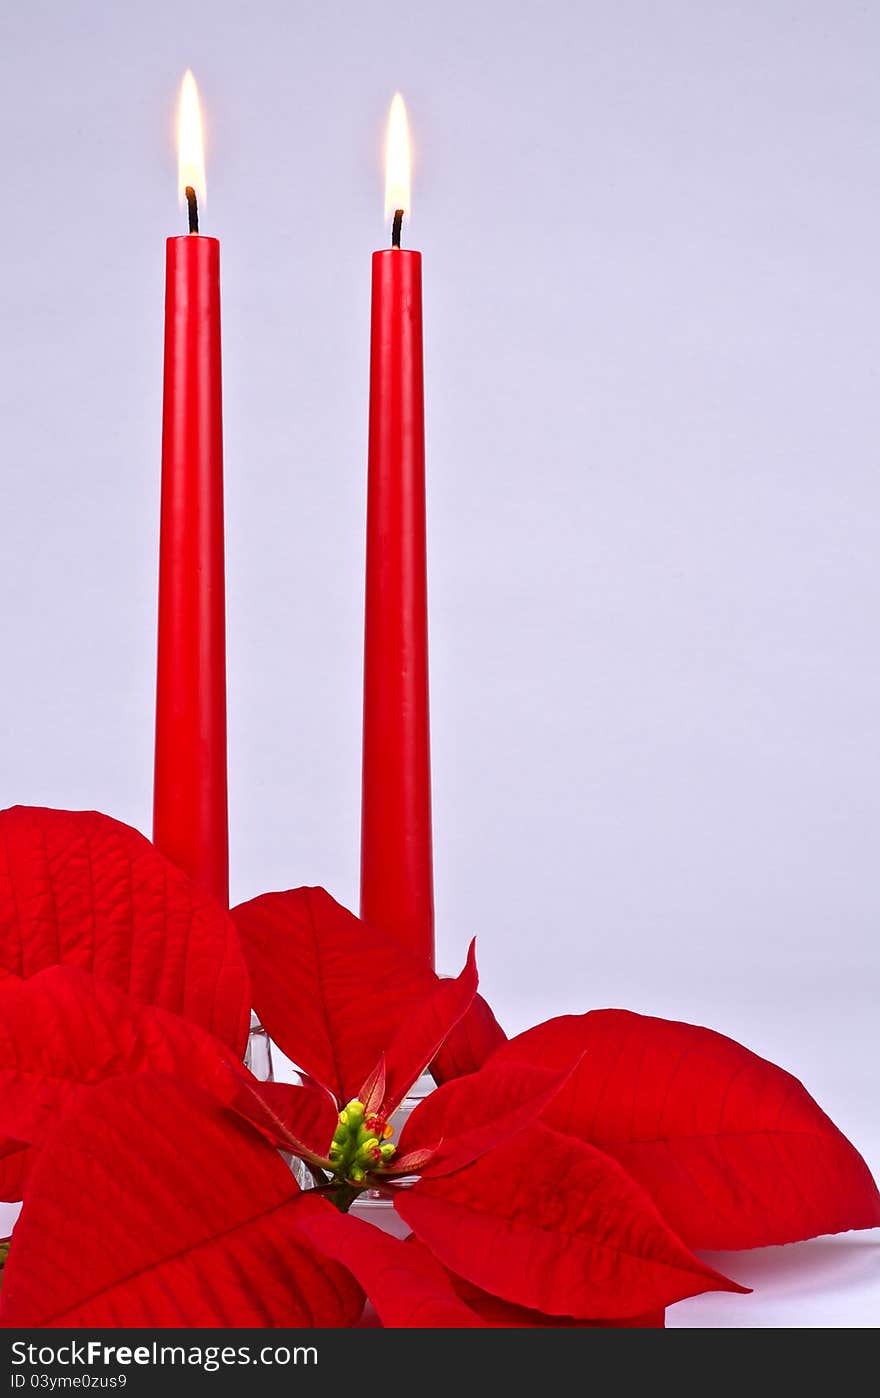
397 889
190 822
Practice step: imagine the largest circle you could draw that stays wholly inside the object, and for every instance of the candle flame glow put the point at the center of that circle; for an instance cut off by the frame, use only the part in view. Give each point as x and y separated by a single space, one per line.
397 160
190 141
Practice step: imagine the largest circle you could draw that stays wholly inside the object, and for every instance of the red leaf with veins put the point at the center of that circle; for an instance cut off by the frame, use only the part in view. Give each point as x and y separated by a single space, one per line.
203 1222
502 1315
329 989
734 1151
470 1116
63 1029
412 1163
558 1227
473 1040
300 1120
406 1286
424 1029
80 889
15 1162
372 1093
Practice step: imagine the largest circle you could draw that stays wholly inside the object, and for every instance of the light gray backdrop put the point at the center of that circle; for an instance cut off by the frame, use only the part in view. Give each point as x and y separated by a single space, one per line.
651 240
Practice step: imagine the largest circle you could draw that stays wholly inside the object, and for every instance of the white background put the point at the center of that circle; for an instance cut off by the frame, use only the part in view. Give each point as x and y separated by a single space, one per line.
651 240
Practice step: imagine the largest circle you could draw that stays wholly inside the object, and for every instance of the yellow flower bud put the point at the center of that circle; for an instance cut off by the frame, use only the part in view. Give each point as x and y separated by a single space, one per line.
367 1147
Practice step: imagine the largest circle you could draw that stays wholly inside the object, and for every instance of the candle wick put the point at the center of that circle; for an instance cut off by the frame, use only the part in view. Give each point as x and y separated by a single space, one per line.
192 205
396 227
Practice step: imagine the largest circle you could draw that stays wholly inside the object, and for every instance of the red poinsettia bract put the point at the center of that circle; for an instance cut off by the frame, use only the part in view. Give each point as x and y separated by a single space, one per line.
561 1178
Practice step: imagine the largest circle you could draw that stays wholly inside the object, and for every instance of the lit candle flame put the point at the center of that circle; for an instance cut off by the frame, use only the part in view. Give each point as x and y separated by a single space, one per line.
190 141
397 160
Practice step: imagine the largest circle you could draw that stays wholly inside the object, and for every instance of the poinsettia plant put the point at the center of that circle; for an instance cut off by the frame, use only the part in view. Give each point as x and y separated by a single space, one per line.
560 1178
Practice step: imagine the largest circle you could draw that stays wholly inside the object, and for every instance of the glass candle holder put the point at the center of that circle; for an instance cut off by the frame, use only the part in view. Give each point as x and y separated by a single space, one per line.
258 1054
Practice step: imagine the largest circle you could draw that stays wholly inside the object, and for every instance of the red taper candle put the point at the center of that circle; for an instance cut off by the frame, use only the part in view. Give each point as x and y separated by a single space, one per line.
397 886
190 820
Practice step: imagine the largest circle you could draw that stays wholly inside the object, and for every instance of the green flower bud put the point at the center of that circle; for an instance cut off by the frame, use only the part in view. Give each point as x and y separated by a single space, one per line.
366 1149
387 1150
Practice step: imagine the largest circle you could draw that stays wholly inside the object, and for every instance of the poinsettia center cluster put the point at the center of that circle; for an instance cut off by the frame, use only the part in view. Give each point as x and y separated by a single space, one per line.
361 1144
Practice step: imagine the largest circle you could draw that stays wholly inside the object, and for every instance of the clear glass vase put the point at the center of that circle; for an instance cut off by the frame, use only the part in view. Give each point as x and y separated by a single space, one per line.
258 1054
